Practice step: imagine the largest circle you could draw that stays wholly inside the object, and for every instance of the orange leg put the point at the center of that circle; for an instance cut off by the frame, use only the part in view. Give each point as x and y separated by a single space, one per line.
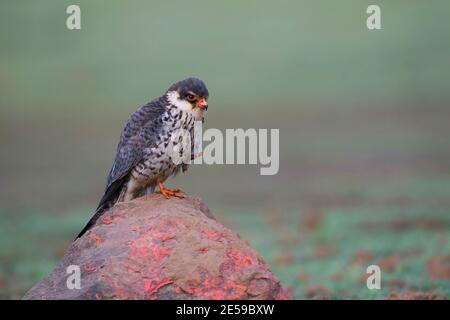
170 192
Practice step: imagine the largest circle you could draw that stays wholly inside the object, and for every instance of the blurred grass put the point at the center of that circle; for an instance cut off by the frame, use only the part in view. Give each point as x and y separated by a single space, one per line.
363 118
341 233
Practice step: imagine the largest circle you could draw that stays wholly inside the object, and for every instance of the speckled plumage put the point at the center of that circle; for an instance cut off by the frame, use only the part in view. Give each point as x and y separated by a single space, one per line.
144 153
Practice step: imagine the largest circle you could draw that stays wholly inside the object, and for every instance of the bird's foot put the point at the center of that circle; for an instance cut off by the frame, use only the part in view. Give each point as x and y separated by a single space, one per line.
170 192
195 156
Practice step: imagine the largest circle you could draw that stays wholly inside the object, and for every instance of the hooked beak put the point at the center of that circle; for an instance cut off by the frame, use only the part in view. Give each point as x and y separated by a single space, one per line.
202 104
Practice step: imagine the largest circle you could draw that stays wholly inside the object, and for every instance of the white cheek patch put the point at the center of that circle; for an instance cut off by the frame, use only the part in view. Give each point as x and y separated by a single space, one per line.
174 99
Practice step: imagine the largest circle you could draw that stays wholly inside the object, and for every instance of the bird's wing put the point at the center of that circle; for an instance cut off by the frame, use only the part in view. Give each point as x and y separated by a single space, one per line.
139 132
127 157
134 139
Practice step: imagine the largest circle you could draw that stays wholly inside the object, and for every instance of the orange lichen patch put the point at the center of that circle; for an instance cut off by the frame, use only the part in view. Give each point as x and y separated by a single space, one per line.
168 225
209 287
236 289
239 258
203 250
107 219
212 294
88 268
152 286
160 253
438 268
226 284
131 268
212 235
162 235
95 238
157 252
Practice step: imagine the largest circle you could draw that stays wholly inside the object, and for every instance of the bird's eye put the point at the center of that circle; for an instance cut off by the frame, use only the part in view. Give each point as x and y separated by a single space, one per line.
190 97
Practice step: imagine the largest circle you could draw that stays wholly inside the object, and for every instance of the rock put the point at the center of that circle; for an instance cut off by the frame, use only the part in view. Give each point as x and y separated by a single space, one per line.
155 248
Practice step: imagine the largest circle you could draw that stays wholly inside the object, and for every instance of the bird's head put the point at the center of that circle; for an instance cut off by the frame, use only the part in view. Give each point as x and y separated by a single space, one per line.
190 95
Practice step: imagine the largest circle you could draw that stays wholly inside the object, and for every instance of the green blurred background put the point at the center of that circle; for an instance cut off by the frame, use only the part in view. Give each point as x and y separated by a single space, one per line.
363 116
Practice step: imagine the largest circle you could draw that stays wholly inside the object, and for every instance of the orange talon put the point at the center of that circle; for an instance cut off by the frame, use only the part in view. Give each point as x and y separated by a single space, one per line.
170 192
195 156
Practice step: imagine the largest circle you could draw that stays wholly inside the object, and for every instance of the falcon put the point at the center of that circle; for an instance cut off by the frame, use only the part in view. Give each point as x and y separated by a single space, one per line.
144 157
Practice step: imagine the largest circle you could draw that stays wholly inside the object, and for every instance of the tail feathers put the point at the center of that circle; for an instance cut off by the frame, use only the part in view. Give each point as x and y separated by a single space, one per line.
91 222
108 200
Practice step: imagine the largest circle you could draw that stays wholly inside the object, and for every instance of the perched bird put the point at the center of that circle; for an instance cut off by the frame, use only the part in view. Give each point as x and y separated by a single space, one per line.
144 157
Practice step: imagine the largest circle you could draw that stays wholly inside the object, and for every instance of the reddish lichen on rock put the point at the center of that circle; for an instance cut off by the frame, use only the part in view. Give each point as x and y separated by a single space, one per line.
162 249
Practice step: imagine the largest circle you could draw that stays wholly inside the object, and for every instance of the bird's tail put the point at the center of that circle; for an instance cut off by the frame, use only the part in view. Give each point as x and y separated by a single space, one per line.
91 222
110 197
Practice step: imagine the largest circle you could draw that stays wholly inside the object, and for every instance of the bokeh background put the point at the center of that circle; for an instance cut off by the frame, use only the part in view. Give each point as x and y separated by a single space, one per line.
363 115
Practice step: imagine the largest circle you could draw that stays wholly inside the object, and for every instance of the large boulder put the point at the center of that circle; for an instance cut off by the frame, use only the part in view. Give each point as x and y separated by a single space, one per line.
157 248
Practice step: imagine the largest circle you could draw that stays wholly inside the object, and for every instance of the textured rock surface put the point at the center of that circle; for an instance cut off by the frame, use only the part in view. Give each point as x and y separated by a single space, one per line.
154 248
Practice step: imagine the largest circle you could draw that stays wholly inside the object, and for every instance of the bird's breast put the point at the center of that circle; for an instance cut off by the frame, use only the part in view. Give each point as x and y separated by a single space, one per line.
173 143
